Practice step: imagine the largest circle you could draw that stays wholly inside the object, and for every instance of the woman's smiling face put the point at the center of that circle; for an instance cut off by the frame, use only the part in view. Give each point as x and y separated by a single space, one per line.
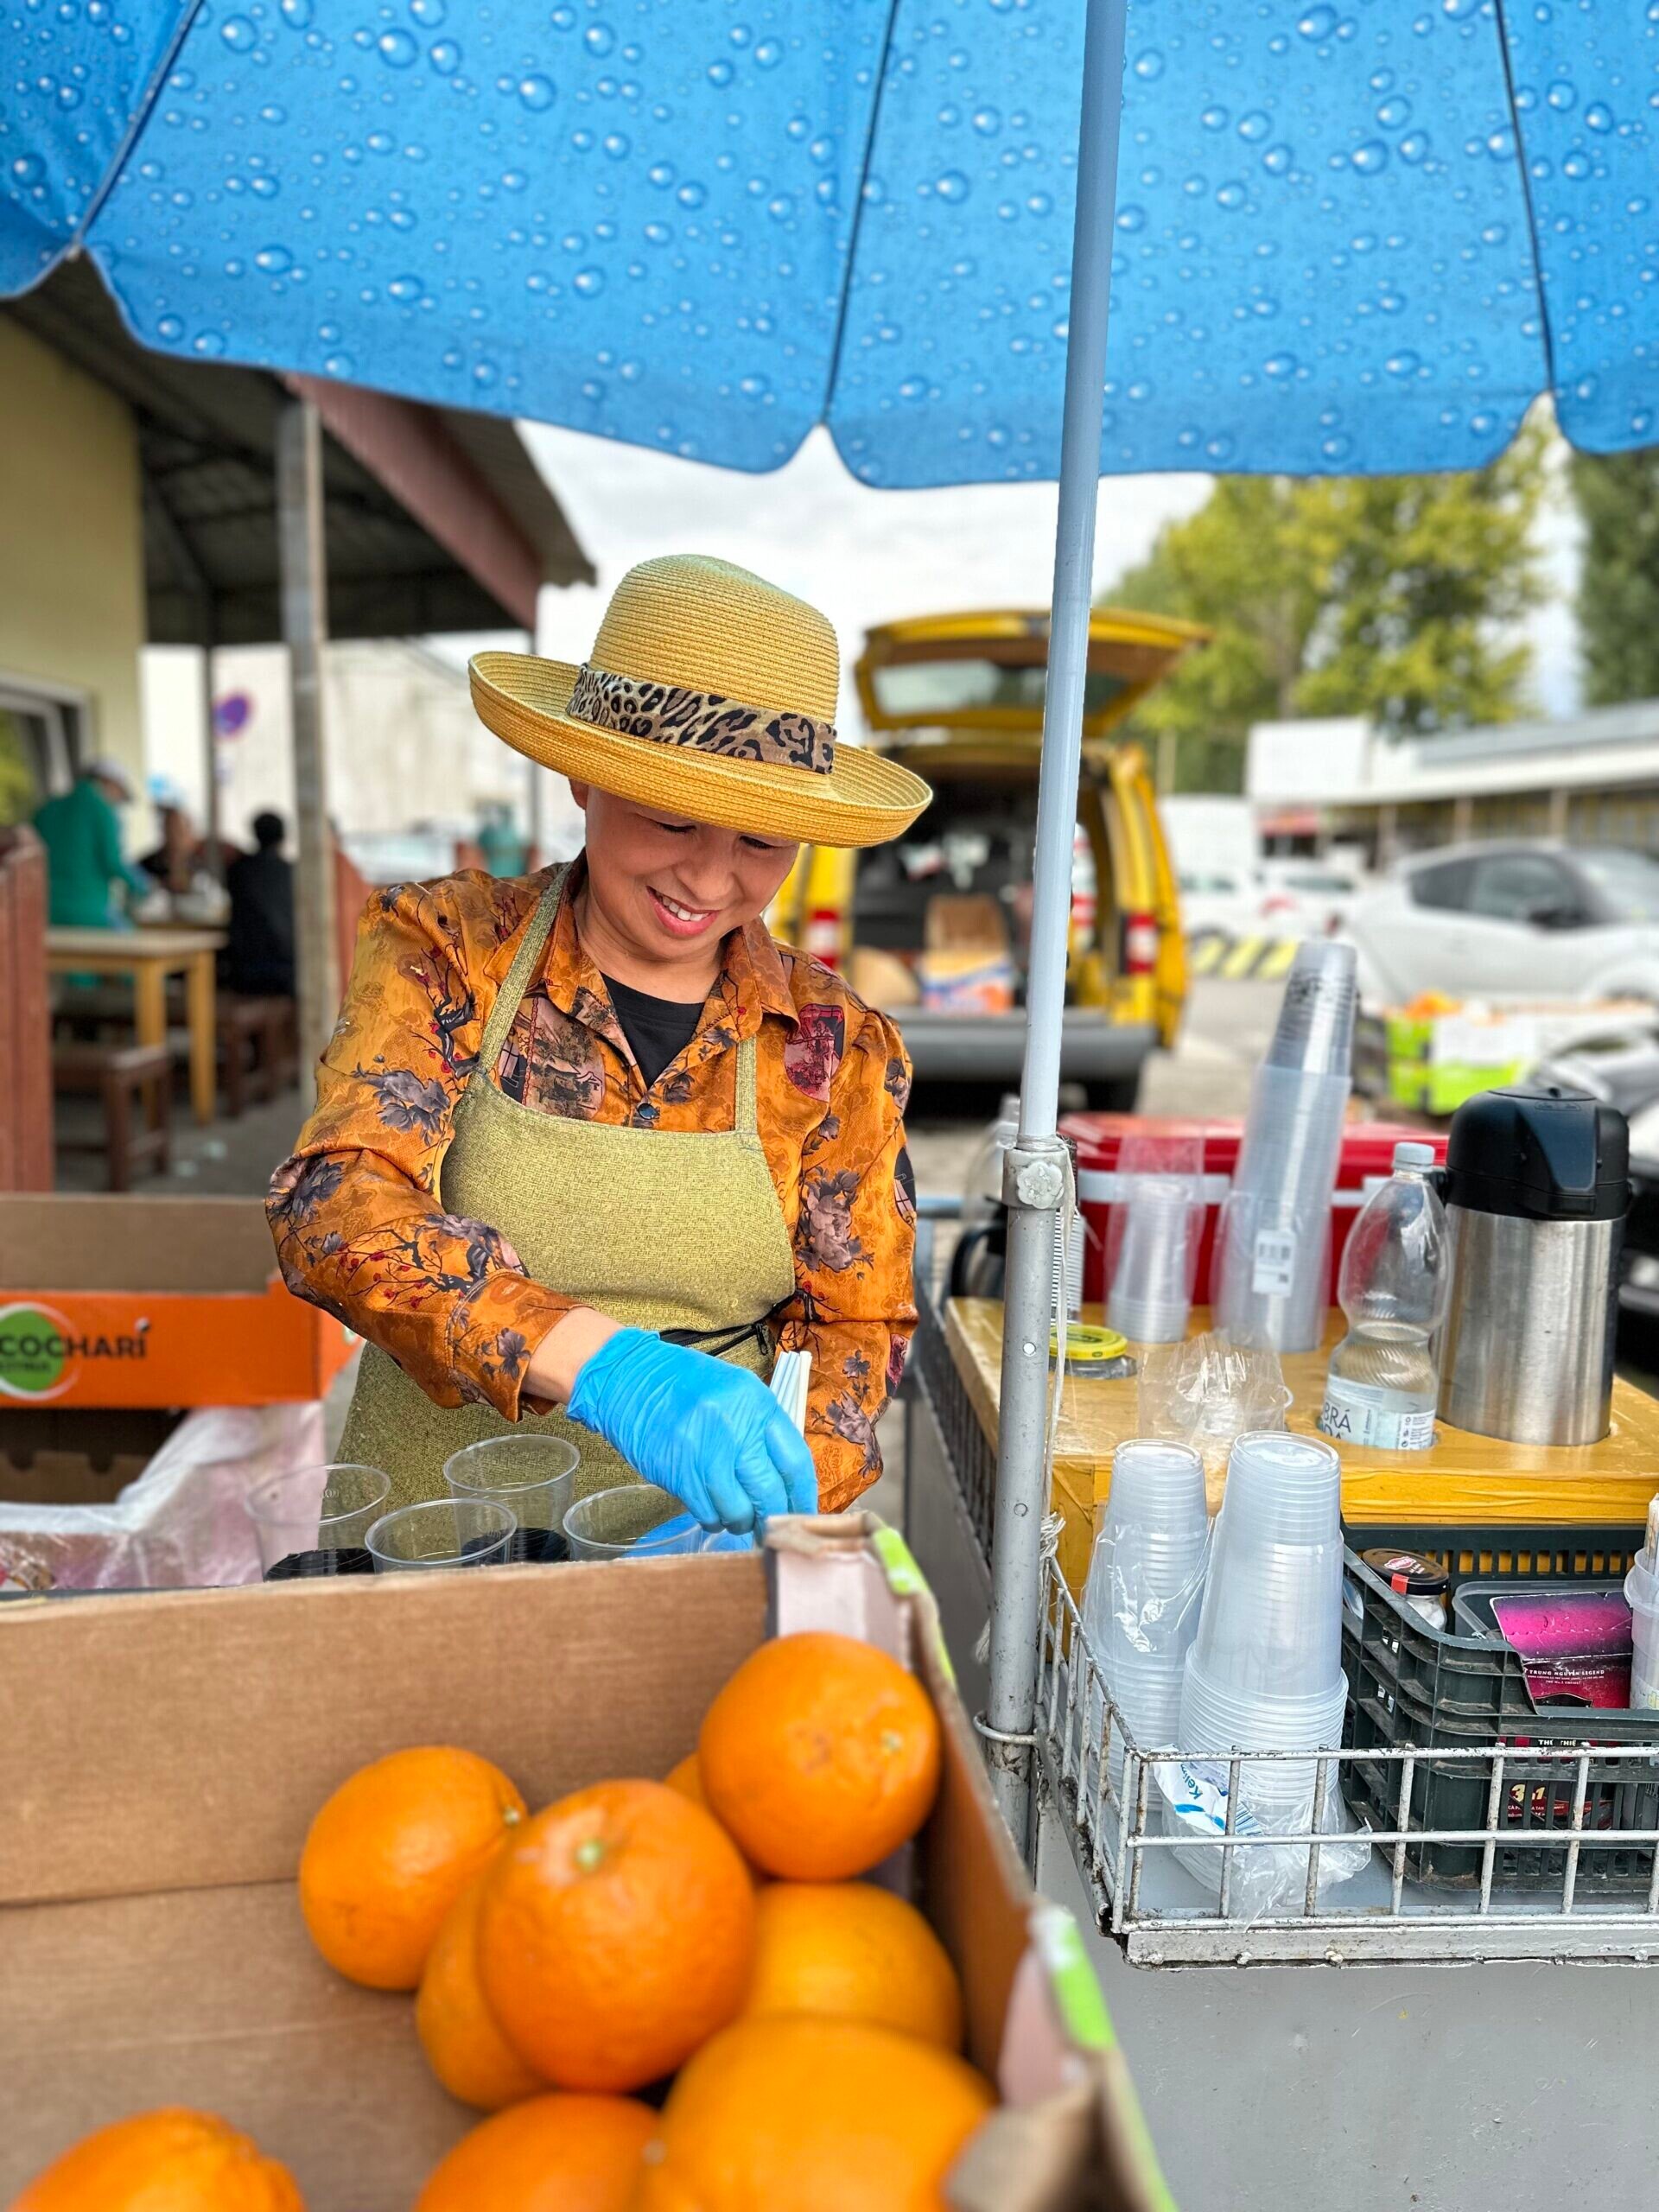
662 892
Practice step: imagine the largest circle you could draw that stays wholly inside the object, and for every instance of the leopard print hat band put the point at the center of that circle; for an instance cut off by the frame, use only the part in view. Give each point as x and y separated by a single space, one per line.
669 714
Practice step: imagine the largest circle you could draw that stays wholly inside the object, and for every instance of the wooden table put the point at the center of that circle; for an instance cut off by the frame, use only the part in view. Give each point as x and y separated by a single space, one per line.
149 956
1463 1478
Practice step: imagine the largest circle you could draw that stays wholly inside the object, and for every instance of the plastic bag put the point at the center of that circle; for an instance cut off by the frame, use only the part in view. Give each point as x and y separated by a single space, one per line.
1138 1619
1207 1391
1274 1798
181 1524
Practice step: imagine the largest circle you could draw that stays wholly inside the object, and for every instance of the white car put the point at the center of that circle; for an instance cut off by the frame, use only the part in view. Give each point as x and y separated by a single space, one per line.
1217 899
1306 897
1513 921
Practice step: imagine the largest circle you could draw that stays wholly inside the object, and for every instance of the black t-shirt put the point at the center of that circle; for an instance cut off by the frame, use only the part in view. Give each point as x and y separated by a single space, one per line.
658 1030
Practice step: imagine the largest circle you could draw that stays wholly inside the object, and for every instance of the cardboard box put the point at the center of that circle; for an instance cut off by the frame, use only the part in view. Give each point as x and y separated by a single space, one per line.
153 1302
970 922
966 982
165 1754
881 978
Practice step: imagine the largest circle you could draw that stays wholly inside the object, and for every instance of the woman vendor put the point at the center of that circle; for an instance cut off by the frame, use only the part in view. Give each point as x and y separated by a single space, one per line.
589 1145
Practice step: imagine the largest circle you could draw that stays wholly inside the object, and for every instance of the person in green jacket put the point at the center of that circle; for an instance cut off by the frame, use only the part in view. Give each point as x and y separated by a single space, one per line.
84 861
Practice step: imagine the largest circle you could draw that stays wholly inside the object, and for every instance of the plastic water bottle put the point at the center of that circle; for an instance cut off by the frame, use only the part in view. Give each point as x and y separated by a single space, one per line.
1381 1387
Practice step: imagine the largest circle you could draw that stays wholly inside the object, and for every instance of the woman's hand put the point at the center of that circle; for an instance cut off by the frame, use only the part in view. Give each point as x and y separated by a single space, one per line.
559 1358
712 1433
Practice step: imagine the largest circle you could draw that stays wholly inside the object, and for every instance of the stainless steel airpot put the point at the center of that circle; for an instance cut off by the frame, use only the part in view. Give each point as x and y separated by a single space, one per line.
1537 1186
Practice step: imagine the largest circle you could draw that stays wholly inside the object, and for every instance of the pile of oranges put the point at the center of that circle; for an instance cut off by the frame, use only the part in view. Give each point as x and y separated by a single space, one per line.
712 1928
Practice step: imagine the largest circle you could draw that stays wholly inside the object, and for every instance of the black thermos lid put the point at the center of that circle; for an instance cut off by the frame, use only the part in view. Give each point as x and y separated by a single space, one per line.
1548 1152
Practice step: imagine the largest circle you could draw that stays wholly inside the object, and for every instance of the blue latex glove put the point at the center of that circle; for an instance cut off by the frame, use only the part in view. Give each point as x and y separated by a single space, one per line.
710 1432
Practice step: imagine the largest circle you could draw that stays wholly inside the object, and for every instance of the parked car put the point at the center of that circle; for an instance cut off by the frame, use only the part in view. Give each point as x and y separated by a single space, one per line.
1511 921
959 698
1218 900
1306 897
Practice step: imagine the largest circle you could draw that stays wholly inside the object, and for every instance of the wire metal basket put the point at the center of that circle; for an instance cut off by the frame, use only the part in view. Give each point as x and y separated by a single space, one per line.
1161 1917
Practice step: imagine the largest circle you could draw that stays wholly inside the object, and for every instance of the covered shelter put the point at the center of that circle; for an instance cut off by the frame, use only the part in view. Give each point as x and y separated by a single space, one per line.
285 509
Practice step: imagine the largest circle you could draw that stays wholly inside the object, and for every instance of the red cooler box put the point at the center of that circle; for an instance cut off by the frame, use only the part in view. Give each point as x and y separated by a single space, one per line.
1367 1158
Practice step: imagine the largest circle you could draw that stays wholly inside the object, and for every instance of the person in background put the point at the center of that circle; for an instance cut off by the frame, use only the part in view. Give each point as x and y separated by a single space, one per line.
499 842
181 855
258 957
82 836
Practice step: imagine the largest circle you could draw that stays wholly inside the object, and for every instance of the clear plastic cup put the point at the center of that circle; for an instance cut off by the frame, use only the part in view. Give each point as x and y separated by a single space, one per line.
442 1532
1272 1619
312 1521
1315 1028
1158 1485
1642 1596
1152 1285
623 1523
533 1475
1283 1489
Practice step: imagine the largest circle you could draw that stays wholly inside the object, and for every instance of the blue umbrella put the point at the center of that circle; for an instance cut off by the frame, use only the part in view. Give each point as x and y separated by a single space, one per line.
1346 237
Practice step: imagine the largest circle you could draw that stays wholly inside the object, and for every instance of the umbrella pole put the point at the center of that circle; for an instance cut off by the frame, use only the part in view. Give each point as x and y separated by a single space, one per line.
305 625
1034 1176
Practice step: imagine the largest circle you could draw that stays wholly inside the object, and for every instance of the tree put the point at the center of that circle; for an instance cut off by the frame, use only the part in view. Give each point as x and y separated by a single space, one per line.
1392 597
1617 498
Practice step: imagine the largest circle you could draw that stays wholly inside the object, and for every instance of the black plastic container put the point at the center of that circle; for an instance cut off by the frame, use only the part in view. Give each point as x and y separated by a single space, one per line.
1410 1685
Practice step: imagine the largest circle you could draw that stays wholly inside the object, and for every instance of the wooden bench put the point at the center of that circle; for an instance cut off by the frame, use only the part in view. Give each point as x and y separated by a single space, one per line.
135 1084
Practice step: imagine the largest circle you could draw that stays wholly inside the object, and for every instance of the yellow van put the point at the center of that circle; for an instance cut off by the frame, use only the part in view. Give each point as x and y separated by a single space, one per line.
933 929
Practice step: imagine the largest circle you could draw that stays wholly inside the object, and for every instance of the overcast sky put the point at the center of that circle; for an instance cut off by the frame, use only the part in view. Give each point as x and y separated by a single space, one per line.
867 556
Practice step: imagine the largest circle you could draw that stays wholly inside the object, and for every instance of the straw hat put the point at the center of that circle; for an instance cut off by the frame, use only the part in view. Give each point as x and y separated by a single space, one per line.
712 695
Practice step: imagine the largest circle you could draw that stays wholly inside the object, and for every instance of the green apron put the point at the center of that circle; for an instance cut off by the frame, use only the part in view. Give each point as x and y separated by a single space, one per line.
664 1229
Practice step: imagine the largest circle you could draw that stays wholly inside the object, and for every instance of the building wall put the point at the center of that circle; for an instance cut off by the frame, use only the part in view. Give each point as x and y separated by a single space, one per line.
72 580
408 761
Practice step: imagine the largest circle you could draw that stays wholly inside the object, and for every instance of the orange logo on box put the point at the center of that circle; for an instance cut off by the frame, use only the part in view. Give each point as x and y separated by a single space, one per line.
41 1351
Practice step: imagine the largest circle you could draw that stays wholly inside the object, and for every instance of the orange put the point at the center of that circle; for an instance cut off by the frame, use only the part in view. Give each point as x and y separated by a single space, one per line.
463 2045
803 2115
688 1779
555 2154
391 1852
616 1933
168 2161
821 1755
849 1951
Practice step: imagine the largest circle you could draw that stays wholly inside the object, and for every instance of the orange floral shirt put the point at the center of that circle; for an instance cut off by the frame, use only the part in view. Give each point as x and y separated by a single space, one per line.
359 1228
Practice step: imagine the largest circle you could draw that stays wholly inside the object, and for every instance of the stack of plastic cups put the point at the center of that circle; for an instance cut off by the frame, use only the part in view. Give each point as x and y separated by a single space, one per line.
1140 1603
1265 1669
1276 1228
1151 1283
1642 1596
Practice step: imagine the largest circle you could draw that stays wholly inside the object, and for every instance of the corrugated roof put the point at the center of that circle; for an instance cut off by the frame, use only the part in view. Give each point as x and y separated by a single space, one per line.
397 559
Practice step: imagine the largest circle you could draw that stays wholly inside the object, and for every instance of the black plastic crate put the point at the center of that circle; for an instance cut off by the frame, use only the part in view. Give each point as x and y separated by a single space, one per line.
1410 1684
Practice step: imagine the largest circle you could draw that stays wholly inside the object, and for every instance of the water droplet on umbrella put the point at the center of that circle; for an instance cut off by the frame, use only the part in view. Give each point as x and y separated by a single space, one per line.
1276 160
952 185
1562 97
339 365
589 282
691 194
1281 365
1392 113
209 342
769 53
1598 116
720 73
1317 22
1370 157
239 35
296 14
599 38
1402 363
1214 118
536 92
397 49
1256 125
616 146
405 289
1231 194
1414 147
986 121
275 260
1149 65
445 57
1131 218
170 326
